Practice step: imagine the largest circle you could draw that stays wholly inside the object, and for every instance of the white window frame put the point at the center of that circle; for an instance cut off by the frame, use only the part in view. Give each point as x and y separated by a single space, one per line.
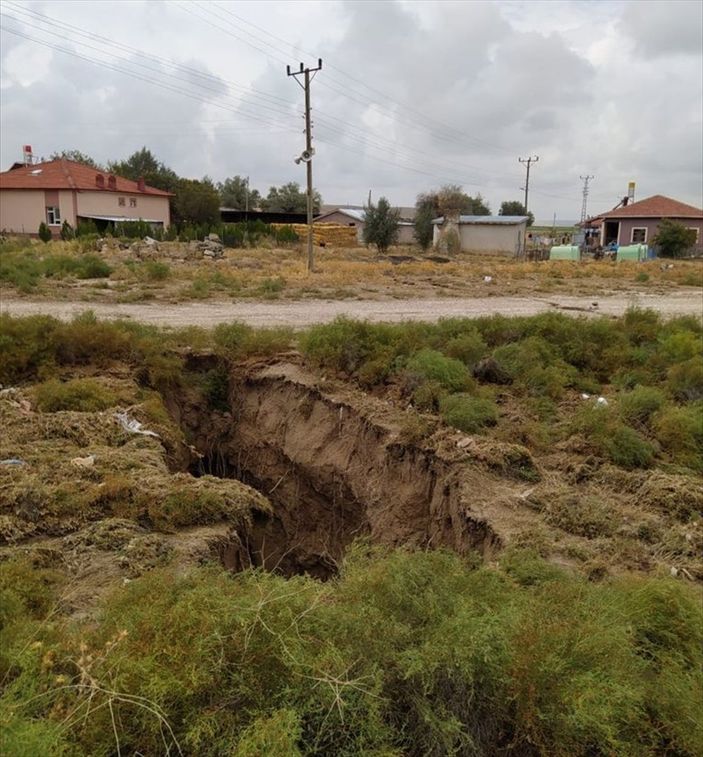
698 232
55 212
639 228
132 202
121 202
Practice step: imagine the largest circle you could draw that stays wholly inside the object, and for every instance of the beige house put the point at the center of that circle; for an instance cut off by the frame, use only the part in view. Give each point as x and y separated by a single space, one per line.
62 190
502 235
355 216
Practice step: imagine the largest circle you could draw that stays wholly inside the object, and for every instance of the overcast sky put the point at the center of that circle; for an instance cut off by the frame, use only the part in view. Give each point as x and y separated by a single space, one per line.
412 94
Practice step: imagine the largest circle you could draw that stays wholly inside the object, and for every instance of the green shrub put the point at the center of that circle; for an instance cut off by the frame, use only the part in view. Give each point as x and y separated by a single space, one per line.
680 431
92 267
137 229
86 229
468 347
67 232
286 235
626 448
685 380
84 395
155 270
448 372
468 414
637 406
22 270
427 396
44 232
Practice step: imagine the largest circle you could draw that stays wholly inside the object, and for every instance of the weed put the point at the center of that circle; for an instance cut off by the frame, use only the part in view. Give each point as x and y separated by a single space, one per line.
581 515
468 414
637 406
84 395
449 373
625 447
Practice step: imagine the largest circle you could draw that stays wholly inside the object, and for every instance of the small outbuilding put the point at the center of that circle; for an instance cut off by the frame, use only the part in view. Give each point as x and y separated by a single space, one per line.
501 235
356 217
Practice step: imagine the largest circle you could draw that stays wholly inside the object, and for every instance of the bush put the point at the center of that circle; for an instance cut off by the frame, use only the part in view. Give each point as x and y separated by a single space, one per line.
86 228
685 380
468 414
155 270
134 229
680 431
674 239
44 232
637 406
67 232
626 448
84 395
449 373
92 267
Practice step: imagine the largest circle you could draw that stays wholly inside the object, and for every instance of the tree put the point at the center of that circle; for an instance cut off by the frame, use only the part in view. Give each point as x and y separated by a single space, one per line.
44 232
381 224
196 202
67 231
289 198
144 165
674 239
451 199
425 211
516 208
233 194
78 157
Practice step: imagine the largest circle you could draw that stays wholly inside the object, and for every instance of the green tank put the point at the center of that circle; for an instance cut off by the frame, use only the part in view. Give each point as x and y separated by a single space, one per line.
636 252
565 252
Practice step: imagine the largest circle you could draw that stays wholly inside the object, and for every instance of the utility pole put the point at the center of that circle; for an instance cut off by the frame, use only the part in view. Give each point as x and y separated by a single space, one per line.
306 156
528 161
585 180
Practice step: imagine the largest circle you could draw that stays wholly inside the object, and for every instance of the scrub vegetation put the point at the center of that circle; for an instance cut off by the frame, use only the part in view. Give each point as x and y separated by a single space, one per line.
580 633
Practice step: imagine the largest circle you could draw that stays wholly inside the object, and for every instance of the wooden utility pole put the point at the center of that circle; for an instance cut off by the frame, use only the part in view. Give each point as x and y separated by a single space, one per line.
528 161
306 156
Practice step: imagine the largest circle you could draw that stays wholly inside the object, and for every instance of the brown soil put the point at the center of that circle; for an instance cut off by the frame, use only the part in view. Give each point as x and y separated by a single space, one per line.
302 314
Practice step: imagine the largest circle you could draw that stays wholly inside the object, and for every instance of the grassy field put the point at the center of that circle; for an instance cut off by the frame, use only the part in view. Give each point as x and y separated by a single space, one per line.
580 636
76 271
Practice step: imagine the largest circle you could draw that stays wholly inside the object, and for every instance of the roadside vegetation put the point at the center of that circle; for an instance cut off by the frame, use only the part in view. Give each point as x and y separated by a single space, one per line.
255 256
403 652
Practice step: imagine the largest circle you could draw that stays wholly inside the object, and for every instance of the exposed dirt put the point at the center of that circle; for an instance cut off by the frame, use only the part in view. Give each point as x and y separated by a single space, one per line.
302 314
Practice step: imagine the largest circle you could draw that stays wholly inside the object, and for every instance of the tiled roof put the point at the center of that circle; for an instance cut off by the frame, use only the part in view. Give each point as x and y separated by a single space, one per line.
656 206
66 174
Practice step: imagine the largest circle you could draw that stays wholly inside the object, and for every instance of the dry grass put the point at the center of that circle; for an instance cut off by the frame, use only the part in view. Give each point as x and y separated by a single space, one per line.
280 273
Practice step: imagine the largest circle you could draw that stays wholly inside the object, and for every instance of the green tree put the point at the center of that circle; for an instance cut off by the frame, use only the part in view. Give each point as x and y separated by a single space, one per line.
143 164
289 198
516 208
196 202
233 193
78 157
381 224
425 210
67 231
451 198
44 232
674 239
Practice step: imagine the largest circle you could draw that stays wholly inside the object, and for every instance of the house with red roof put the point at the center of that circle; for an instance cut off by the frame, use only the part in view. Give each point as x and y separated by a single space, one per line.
63 190
638 222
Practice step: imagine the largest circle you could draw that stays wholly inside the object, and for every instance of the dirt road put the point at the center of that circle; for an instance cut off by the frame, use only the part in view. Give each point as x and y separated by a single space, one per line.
304 313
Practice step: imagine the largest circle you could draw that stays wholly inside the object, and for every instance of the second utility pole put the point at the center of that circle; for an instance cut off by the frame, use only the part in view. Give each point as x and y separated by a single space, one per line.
527 180
307 154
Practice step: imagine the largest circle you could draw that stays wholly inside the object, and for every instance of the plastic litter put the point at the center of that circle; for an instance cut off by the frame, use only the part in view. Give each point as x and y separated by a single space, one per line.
133 426
84 462
585 396
602 401
13 461
488 279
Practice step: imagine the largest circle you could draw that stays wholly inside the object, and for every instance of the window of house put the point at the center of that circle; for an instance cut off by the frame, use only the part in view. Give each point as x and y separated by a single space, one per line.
121 201
697 230
53 216
639 235
132 202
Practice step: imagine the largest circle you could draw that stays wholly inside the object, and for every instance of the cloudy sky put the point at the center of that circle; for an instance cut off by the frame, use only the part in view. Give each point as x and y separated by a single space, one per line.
412 94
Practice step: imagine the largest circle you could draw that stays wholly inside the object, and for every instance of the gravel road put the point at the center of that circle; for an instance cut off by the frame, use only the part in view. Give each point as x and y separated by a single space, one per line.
299 314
